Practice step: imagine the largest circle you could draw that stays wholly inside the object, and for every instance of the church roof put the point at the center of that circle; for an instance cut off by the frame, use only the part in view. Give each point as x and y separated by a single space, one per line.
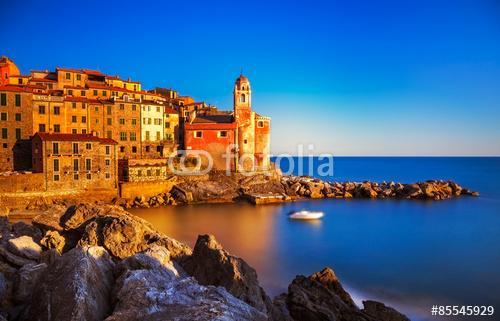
241 79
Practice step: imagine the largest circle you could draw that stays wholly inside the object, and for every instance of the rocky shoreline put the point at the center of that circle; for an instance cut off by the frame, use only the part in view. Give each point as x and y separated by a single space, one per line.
99 262
261 190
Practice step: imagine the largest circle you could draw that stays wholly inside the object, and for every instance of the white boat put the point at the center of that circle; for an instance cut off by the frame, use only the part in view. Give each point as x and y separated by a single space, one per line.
306 215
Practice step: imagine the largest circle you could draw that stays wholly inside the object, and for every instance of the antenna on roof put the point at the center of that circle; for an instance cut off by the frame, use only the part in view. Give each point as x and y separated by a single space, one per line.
241 71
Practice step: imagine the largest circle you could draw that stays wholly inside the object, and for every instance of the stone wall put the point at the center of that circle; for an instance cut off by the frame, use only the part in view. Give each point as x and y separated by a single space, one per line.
130 190
22 183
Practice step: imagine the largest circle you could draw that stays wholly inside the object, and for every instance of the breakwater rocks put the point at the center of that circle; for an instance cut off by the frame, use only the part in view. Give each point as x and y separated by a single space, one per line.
315 188
92 263
262 189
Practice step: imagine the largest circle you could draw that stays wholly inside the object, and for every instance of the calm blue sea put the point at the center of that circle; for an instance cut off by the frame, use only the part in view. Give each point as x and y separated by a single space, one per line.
411 254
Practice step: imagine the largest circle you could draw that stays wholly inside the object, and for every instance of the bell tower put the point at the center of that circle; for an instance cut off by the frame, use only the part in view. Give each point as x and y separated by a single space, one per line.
242 94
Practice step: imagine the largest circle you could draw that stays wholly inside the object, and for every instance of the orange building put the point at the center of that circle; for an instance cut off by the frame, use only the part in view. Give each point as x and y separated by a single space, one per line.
242 133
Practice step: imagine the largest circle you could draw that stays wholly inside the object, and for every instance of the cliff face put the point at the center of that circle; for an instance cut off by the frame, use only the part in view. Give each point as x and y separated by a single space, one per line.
90 262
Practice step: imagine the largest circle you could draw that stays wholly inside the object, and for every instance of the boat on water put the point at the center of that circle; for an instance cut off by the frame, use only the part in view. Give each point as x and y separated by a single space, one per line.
306 215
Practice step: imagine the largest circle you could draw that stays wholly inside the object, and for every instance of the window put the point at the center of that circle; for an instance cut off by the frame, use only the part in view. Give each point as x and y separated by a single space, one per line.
74 119
167 124
4 133
122 106
84 106
84 131
157 109
74 131
18 117
108 175
75 148
3 99
260 124
96 109
242 98
157 172
122 121
56 177
75 169
198 134
139 173
133 136
18 133
78 77
108 110
104 93
148 172
148 149
108 150
68 75
82 93
123 136
95 92
223 133
109 134
57 128
41 110
147 135
158 136
57 110
17 100
107 162
168 136
88 164
122 149
55 149
159 148
70 92
3 116
41 128
84 119
245 141
88 146
109 121
73 105
134 149
133 107
56 165
134 121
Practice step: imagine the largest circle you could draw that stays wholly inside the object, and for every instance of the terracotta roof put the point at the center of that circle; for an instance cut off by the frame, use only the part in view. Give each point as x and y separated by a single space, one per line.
217 118
74 138
169 110
210 126
42 80
241 78
15 88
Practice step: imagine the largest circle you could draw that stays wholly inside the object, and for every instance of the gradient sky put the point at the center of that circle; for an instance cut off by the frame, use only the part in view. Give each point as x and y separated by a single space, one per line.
351 77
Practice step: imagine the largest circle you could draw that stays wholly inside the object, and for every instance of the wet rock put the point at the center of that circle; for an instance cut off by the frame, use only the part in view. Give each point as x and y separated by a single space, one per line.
365 190
24 246
23 229
75 286
12 258
412 191
382 312
210 264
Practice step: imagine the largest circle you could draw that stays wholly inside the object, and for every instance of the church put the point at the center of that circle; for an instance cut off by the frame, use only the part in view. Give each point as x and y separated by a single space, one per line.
238 140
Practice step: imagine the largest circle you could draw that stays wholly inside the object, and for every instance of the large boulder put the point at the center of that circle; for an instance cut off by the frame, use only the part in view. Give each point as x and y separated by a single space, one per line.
321 297
210 264
27 278
365 190
149 288
53 240
75 286
380 311
24 246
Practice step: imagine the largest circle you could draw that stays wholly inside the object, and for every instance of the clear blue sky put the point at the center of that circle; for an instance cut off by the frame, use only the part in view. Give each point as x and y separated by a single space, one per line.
352 77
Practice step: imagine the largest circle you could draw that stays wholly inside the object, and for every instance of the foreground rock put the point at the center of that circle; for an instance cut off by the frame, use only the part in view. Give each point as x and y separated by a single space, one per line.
210 264
322 297
149 288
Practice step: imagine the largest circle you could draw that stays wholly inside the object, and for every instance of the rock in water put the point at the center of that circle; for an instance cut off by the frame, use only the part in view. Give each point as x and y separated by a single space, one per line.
24 246
210 264
75 287
149 288
382 312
